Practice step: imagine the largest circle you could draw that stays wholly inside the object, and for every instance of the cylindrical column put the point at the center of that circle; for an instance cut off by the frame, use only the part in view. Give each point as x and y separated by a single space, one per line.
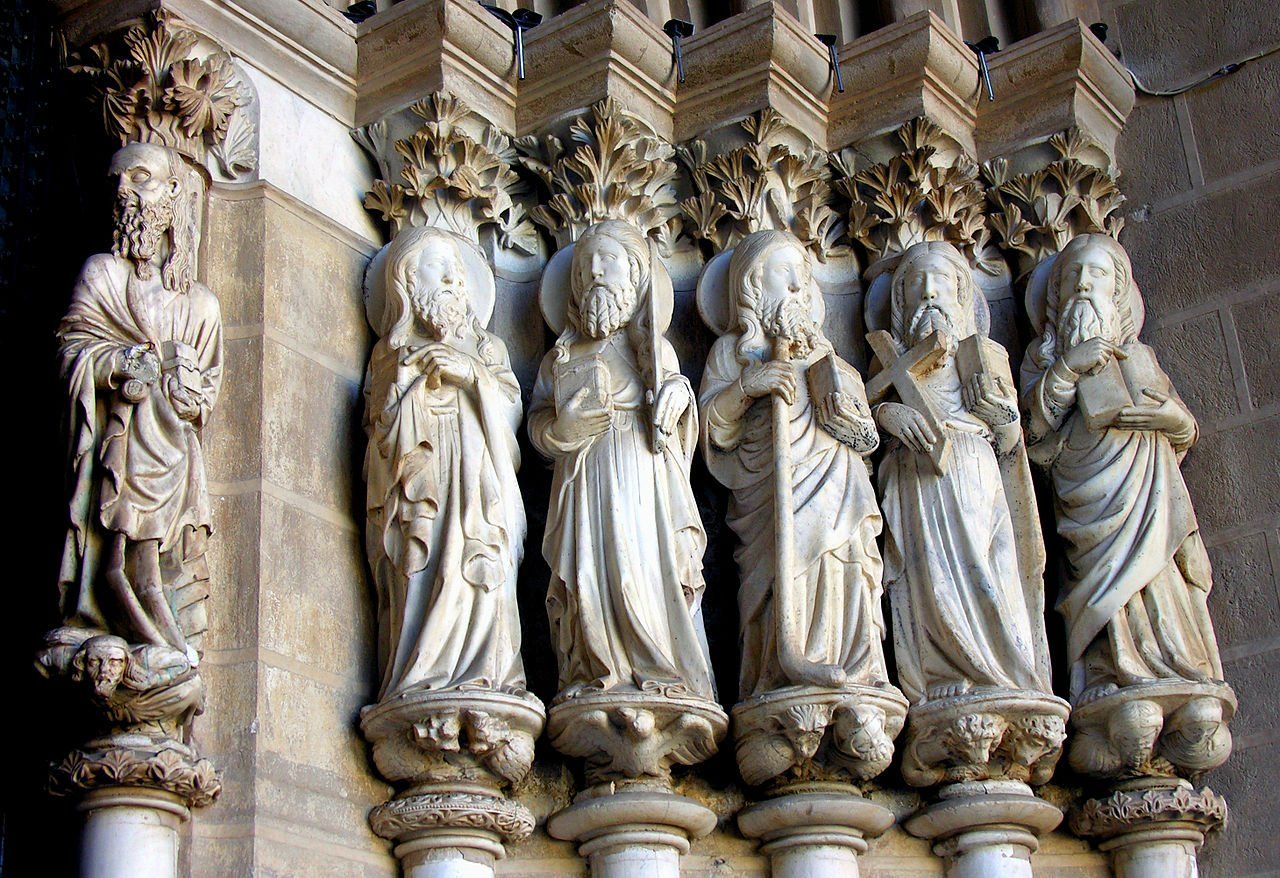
1152 827
1156 858
130 832
432 861
633 834
814 834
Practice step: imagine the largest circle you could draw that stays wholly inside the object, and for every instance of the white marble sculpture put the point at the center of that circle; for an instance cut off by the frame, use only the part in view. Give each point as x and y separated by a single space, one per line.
445 534
1104 419
964 559
141 349
623 537
812 626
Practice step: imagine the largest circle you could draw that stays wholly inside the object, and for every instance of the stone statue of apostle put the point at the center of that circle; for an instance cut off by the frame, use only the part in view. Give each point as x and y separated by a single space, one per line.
141 349
1110 428
802 505
623 537
964 558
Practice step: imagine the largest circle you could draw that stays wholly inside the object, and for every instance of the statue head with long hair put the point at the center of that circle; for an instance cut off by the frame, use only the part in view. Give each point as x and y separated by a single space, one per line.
771 293
157 213
427 296
609 277
933 290
1090 295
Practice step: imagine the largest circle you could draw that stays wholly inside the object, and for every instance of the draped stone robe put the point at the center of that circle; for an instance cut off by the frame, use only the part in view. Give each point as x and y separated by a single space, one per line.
1136 599
838 566
446 525
623 539
137 469
964 559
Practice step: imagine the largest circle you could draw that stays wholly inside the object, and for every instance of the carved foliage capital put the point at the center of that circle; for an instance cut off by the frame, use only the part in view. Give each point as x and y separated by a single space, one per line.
164 765
154 88
614 167
929 191
1036 214
766 183
1131 810
456 171
413 814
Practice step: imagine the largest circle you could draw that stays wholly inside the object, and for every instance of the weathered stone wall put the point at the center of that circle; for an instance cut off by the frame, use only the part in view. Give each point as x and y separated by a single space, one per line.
1202 172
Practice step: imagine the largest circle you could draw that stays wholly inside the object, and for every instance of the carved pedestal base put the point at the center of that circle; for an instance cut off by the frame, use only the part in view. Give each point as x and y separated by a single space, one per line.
131 832
1152 828
451 834
639 833
814 834
982 735
454 751
985 829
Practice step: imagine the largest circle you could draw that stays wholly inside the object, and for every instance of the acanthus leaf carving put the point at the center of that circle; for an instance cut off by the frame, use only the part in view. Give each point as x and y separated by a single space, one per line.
765 183
456 172
153 89
930 191
1037 213
614 168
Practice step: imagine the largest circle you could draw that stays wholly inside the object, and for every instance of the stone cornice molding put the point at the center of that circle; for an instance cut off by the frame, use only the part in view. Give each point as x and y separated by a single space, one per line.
914 68
423 46
1057 79
761 58
601 49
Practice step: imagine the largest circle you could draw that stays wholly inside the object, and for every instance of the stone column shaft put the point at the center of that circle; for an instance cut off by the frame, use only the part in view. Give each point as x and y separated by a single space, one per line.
130 833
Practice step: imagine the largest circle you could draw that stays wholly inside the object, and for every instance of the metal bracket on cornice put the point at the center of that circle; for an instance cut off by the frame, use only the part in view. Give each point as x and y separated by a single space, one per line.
678 29
519 21
982 48
833 53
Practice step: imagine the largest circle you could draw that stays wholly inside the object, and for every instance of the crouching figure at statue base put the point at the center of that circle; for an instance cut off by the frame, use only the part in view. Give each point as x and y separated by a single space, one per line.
453 727
1149 705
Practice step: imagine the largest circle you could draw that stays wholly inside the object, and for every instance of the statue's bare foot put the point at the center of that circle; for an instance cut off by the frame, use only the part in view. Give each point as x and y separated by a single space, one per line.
950 690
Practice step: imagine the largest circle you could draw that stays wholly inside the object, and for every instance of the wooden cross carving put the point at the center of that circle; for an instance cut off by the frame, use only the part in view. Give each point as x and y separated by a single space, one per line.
900 372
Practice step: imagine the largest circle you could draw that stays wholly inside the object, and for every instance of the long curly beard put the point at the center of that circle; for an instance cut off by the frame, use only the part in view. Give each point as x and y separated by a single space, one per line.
1081 322
606 308
442 311
140 229
929 319
792 327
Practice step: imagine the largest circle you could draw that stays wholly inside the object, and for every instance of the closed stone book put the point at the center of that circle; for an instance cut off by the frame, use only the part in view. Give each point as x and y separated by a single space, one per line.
589 373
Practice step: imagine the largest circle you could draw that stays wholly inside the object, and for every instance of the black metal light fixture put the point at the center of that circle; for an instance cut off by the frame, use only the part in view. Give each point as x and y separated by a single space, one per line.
982 48
833 54
361 10
519 21
678 29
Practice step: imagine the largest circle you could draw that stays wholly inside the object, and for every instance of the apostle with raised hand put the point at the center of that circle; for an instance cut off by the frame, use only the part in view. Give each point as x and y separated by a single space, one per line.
1149 701
445 532
623 537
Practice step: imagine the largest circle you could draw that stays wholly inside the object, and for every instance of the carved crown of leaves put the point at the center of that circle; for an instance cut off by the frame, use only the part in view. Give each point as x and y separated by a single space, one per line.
930 191
456 171
153 90
619 169
1038 213
763 184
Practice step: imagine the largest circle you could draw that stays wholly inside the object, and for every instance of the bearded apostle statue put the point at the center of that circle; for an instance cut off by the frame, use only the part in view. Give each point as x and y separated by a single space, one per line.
787 428
964 559
1109 427
141 350
623 537
444 533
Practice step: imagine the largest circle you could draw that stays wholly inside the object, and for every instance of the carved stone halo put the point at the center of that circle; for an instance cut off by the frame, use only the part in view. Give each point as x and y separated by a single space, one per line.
480 283
985 735
636 736
553 295
714 296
